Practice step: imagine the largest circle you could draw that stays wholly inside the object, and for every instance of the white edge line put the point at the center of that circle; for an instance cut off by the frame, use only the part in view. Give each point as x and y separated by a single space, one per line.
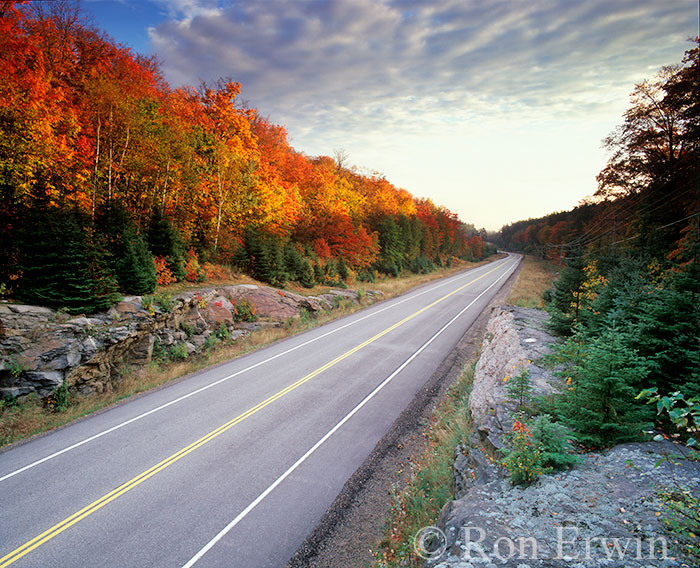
219 381
332 431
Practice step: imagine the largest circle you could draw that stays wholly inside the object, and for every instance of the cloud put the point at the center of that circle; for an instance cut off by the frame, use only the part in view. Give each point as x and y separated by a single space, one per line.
371 75
295 56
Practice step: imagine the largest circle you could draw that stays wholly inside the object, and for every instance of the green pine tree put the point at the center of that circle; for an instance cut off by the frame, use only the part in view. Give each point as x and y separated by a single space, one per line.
130 260
565 299
293 261
599 403
555 441
392 245
62 263
519 388
343 272
318 273
268 264
164 240
306 274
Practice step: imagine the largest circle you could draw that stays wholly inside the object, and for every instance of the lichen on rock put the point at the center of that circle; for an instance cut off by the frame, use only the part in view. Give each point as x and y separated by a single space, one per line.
604 512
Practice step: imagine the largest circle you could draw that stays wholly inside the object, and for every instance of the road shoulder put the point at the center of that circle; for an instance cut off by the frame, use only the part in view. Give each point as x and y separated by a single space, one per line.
354 522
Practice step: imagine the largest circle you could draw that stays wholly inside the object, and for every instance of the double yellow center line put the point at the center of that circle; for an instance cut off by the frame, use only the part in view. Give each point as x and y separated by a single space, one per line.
132 483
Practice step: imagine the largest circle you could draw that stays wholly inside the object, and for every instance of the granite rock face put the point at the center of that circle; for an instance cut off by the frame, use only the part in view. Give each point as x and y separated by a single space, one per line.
515 341
605 512
40 348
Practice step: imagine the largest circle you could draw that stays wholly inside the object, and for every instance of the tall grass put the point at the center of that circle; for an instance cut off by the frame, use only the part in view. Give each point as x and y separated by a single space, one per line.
535 278
431 483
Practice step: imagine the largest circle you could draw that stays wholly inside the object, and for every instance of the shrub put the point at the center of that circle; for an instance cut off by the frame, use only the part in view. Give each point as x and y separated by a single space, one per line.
164 276
555 442
682 506
211 341
177 352
223 332
305 316
165 302
188 328
16 365
59 399
147 304
522 456
367 275
216 271
193 272
245 310
201 301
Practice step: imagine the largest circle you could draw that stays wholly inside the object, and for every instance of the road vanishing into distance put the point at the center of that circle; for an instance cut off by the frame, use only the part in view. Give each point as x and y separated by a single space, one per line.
235 465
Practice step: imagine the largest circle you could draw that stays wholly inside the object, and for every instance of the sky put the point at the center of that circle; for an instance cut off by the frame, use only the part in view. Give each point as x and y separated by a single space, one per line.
495 109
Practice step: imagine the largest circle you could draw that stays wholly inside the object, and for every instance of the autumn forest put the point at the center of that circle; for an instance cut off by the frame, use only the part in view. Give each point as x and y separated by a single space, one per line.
111 181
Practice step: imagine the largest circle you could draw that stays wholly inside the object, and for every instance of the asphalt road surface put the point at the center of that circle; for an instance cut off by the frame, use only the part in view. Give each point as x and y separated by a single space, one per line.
235 465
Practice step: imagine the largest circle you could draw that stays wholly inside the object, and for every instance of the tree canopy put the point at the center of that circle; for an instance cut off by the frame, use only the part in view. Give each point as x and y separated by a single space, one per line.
88 126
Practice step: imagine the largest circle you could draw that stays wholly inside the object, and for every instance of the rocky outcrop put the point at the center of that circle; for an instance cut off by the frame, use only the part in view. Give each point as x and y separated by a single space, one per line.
605 512
41 348
515 340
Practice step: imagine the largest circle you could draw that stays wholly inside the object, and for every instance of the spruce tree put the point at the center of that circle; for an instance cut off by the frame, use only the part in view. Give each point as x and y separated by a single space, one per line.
306 274
392 247
104 282
241 260
292 261
319 277
343 269
599 403
130 260
270 269
62 262
565 299
662 324
164 240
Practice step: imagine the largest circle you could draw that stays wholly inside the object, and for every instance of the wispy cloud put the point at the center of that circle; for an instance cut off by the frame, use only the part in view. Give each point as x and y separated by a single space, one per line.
346 68
361 53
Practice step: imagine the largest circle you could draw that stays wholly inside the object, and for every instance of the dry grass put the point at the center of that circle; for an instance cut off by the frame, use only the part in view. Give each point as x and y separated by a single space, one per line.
185 286
19 421
536 277
430 484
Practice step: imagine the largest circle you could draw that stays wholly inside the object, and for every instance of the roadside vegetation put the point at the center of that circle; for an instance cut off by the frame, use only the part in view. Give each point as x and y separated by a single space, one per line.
417 503
21 419
535 278
625 305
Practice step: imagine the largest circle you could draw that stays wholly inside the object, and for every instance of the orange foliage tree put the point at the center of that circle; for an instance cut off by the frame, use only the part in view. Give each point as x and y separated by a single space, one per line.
87 124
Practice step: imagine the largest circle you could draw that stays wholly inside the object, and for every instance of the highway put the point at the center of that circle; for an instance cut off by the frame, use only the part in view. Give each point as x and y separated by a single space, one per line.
235 465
